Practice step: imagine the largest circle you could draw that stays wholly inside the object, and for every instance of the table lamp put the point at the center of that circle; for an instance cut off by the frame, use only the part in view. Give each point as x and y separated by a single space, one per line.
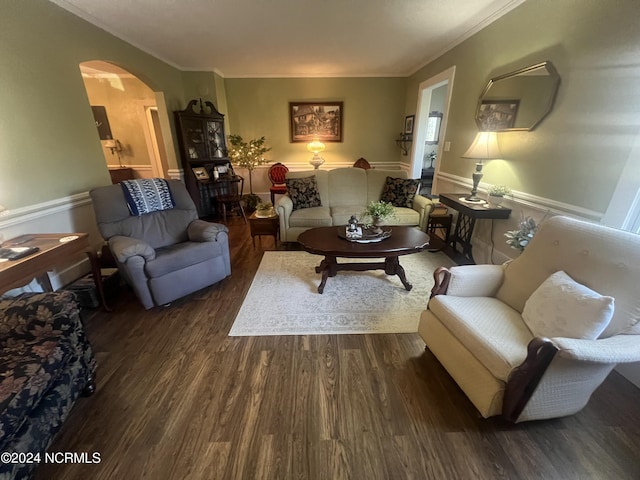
316 147
484 147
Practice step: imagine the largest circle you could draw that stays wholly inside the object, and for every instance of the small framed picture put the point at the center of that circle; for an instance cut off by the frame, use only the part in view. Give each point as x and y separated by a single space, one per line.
497 115
200 173
408 124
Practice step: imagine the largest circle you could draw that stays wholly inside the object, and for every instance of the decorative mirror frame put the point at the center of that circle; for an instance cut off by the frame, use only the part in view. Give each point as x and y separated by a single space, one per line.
553 73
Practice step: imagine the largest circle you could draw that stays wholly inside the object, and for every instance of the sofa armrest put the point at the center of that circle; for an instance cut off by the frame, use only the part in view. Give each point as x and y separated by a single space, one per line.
469 280
51 310
284 207
423 206
124 248
201 231
617 349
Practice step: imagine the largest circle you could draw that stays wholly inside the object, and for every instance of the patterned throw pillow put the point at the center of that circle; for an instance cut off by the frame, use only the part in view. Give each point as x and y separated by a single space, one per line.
400 192
303 192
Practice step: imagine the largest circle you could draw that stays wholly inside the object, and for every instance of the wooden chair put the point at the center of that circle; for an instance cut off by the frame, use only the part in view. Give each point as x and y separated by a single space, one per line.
362 163
277 173
228 194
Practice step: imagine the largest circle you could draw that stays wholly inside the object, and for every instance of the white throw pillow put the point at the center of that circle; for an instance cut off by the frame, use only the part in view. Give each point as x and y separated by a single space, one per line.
561 307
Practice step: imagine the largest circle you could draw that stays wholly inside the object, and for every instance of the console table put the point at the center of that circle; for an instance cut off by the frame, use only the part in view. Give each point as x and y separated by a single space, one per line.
468 213
55 248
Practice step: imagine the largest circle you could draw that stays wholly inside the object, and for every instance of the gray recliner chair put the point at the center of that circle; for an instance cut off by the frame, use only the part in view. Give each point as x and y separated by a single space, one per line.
164 255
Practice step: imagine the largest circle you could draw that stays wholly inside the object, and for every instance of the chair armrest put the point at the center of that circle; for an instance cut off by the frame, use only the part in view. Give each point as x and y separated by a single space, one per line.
124 248
423 206
470 280
201 231
617 349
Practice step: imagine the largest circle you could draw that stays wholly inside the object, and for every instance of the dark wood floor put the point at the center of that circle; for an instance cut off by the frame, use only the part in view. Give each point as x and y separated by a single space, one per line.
177 398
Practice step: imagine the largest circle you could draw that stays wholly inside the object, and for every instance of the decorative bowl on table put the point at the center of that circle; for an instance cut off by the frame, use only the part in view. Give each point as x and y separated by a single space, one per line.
366 236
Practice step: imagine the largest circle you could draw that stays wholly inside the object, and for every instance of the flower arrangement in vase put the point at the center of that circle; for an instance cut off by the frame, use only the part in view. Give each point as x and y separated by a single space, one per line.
264 210
377 212
497 193
519 239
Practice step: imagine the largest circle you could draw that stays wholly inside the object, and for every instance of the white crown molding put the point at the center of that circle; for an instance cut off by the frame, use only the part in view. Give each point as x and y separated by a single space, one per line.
469 33
532 201
319 75
78 12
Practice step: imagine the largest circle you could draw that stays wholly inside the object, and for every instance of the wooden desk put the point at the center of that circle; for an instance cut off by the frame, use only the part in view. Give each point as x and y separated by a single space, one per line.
468 213
18 273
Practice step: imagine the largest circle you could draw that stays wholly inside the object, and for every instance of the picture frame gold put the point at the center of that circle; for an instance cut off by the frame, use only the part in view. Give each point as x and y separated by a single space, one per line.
316 121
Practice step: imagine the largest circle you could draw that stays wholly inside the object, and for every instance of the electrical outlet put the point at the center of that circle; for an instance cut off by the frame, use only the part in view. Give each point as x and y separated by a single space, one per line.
447 146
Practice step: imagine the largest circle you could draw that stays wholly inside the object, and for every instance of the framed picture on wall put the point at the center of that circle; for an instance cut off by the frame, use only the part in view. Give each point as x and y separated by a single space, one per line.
495 115
433 128
408 124
316 120
102 122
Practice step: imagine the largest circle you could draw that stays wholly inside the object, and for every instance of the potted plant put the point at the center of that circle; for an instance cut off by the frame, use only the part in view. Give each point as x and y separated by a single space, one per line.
377 212
497 193
264 210
520 238
248 155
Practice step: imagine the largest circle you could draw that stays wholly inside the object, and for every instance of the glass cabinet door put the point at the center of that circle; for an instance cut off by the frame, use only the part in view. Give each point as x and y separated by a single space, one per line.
215 139
194 139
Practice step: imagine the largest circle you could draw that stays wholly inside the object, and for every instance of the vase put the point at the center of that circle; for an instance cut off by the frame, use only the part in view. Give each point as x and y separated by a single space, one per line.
495 200
376 225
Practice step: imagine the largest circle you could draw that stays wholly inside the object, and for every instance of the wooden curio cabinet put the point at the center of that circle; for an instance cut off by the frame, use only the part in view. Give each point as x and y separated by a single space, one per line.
201 137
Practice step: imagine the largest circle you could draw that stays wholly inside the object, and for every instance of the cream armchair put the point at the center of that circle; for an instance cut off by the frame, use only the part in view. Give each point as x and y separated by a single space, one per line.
480 318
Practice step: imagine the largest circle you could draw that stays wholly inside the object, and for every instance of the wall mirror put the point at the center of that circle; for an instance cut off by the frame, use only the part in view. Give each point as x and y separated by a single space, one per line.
518 100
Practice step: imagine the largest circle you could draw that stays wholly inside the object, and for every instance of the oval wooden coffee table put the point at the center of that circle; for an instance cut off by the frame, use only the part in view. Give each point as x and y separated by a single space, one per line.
326 241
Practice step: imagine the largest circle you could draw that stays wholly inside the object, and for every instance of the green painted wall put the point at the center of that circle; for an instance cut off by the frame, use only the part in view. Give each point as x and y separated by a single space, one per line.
49 146
577 153
373 115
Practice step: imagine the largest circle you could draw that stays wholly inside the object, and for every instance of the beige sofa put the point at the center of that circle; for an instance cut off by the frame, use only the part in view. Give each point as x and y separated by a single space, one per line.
486 324
345 192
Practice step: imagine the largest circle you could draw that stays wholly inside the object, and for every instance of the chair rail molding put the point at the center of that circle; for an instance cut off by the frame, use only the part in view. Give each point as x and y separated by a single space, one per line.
534 202
66 214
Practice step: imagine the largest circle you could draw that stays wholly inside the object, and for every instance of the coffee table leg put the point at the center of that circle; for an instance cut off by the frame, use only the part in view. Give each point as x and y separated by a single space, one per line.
392 267
328 269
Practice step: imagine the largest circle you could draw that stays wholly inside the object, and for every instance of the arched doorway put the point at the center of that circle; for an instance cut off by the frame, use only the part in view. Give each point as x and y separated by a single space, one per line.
128 121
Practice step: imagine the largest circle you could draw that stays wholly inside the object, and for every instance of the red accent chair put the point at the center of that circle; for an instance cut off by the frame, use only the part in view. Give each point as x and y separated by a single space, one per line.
277 173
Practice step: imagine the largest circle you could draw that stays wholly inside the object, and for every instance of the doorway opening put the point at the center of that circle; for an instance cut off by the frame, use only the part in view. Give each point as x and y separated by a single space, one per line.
432 112
128 121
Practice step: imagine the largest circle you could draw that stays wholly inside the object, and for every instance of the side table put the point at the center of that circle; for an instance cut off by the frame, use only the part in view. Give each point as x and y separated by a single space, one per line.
264 226
468 213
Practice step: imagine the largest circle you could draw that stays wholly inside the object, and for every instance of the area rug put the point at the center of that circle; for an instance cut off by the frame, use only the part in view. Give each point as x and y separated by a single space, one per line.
283 297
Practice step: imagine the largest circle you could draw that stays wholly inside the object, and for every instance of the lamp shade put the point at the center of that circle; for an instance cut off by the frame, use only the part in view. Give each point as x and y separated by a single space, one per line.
316 146
484 146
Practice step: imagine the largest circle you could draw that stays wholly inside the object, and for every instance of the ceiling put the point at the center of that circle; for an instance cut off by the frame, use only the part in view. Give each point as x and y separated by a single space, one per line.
293 38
